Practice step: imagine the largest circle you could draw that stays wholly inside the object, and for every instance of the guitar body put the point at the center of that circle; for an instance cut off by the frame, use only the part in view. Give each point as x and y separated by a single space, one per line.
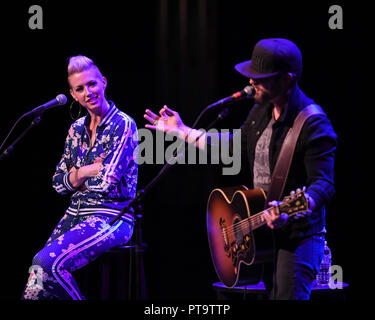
231 236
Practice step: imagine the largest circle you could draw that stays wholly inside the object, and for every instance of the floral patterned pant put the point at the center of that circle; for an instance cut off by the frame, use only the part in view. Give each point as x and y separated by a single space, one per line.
74 243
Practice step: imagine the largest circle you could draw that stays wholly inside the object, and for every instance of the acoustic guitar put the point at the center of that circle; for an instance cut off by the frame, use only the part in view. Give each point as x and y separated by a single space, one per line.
234 218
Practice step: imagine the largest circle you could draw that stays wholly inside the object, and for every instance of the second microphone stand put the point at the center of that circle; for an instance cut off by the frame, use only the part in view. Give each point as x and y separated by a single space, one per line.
136 203
143 192
138 213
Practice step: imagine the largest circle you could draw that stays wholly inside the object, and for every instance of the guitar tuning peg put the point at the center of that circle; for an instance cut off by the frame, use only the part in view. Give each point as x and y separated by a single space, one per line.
292 193
304 188
299 190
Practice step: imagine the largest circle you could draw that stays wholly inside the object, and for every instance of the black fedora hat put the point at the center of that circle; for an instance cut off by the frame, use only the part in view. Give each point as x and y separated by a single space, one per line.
271 57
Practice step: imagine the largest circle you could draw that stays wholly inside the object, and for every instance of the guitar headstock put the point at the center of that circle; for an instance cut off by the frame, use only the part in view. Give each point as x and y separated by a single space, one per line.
295 203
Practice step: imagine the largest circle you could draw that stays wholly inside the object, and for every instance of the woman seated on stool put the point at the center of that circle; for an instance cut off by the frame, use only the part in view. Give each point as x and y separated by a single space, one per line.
98 169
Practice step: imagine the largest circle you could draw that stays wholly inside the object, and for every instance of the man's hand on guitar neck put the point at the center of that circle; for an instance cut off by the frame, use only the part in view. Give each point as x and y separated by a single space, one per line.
273 218
276 220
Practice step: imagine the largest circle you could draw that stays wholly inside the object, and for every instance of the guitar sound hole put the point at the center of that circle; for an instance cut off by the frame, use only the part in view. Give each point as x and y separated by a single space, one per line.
240 239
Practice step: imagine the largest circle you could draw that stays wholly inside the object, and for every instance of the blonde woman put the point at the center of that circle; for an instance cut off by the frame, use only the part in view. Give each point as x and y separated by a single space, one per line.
98 169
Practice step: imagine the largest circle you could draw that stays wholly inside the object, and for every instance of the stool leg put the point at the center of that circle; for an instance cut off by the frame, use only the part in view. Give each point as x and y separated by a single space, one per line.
141 291
139 273
104 294
130 275
121 277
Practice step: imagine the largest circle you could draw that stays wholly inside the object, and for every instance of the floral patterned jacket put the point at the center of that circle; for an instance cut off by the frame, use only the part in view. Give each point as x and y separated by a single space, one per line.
116 184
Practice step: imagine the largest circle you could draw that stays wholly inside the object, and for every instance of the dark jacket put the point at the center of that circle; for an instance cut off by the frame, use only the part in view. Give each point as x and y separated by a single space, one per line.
313 161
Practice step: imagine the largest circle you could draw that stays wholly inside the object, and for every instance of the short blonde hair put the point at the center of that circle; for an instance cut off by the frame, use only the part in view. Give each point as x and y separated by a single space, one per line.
81 63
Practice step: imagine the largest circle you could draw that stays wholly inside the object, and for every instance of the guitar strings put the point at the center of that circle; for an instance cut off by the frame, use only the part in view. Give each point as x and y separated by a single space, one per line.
239 225
250 221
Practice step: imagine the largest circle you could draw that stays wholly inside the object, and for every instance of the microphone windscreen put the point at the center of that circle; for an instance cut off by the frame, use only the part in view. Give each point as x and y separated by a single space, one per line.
61 98
250 91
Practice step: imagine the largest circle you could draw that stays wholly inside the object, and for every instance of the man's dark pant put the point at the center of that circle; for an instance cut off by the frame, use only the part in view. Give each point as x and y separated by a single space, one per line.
297 264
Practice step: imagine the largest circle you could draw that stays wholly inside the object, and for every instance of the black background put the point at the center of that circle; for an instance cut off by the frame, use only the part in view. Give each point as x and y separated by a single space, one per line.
179 53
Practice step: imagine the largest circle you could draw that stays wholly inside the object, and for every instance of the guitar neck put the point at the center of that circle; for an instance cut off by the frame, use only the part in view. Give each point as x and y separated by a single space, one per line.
258 220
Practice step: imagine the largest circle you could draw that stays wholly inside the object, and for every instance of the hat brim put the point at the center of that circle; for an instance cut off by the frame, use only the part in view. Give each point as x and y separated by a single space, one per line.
244 69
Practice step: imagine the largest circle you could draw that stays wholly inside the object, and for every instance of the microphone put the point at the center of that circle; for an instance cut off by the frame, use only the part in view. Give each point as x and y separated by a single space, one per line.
58 101
246 93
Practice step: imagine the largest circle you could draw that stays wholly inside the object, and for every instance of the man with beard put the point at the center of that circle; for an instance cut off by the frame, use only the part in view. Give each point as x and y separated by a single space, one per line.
273 72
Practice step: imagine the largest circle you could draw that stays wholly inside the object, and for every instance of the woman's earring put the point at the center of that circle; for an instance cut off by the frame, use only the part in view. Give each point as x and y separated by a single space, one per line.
70 110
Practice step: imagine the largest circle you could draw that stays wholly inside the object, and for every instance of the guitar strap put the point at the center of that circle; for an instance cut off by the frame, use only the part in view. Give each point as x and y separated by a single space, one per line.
281 171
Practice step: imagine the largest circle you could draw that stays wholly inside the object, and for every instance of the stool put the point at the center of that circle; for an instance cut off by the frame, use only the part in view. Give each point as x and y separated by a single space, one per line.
122 273
119 273
258 292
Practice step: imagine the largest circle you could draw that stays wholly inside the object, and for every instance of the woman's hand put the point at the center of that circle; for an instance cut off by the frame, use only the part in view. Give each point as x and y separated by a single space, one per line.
91 170
79 176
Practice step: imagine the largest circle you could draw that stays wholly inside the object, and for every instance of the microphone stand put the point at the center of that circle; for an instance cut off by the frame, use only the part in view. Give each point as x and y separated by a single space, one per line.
139 246
143 192
249 93
34 123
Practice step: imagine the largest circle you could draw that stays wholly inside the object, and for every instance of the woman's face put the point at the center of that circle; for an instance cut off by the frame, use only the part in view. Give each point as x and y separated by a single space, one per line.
88 88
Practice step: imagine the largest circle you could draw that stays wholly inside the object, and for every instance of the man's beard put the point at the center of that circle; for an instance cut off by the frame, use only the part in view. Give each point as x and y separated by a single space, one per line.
262 97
